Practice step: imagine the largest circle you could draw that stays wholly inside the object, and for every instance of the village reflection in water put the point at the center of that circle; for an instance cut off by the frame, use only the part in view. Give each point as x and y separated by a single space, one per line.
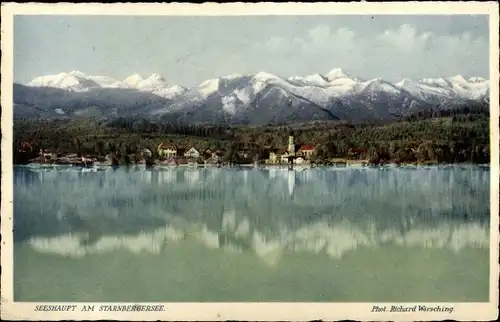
265 211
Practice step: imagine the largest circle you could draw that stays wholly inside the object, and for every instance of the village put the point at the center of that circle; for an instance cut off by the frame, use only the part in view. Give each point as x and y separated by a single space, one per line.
168 153
295 153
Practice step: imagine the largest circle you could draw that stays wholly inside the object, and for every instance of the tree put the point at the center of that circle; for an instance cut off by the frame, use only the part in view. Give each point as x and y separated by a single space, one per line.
99 148
373 156
229 156
78 146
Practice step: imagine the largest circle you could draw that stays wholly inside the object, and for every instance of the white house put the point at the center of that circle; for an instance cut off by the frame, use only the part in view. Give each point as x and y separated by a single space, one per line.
284 157
192 153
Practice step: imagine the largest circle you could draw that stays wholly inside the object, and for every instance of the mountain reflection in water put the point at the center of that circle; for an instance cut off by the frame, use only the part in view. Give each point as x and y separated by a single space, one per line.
266 212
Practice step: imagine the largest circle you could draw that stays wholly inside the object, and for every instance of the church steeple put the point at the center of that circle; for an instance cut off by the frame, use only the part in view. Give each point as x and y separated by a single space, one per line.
291 145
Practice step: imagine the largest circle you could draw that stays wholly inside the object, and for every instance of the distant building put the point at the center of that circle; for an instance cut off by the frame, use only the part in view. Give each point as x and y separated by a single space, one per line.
207 154
192 153
167 150
217 155
291 146
295 152
146 153
274 156
285 155
306 150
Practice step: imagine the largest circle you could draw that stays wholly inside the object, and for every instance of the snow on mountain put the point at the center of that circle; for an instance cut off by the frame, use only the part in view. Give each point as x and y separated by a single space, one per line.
155 84
343 82
457 79
243 94
103 81
262 79
449 88
313 96
472 91
152 83
338 92
170 92
132 81
79 81
377 85
336 83
469 90
232 76
434 91
310 80
313 87
476 80
228 104
337 73
74 81
209 87
436 81
317 88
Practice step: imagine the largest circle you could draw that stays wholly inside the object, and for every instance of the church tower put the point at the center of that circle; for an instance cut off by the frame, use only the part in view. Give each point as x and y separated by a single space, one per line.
291 145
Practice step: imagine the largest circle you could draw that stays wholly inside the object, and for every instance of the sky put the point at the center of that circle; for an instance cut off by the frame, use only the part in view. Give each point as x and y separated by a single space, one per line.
188 50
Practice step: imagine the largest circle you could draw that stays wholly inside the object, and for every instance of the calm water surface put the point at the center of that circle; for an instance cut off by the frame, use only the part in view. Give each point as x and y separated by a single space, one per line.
186 234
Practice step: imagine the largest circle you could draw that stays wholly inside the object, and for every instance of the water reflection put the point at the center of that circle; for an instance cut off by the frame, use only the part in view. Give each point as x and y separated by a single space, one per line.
268 212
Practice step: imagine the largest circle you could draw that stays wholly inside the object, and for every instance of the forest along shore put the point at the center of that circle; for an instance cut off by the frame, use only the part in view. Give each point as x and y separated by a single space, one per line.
462 137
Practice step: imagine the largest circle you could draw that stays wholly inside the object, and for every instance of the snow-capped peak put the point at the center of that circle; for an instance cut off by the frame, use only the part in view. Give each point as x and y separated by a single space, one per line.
405 82
459 79
379 85
209 86
232 76
70 81
235 90
78 74
316 79
436 81
135 77
155 84
337 73
153 81
264 76
132 81
310 80
156 76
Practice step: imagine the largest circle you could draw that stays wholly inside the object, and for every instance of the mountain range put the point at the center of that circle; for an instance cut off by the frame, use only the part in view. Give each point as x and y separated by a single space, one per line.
260 98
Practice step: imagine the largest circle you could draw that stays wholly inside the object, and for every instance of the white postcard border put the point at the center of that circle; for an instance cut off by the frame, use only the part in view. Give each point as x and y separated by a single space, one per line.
243 311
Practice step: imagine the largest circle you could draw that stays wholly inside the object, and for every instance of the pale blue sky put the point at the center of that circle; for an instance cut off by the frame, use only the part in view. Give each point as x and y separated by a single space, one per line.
189 50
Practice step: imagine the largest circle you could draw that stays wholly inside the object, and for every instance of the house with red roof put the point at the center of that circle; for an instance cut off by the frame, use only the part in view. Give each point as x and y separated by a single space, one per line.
306 150
299 152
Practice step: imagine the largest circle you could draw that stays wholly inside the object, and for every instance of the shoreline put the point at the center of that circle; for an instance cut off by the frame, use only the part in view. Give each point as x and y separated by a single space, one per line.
260 166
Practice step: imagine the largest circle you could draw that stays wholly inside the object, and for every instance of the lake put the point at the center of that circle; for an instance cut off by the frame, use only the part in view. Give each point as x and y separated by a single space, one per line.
381 234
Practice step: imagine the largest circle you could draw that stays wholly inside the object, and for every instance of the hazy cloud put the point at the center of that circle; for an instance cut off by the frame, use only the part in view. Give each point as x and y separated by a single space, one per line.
405 50
189 50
